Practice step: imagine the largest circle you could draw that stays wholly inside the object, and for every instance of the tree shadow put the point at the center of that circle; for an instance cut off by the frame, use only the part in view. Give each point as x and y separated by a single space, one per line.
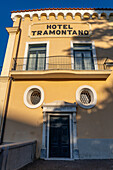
91 123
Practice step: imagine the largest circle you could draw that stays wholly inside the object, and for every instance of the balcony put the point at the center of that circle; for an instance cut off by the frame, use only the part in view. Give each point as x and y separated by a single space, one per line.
66 66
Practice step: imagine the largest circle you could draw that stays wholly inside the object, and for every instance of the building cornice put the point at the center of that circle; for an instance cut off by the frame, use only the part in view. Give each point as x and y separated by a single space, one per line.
64 11
58 74
12 29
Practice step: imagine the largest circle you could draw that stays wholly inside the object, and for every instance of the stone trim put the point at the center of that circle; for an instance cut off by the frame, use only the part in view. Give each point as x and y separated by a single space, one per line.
27 93
12 29
59 108
92 93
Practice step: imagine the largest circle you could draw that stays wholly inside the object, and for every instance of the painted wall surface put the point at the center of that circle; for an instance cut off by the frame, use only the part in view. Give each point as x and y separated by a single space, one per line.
101 35
24 123
3 94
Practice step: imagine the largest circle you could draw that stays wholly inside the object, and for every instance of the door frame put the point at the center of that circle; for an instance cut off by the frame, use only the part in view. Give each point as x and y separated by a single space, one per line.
70 133
59 108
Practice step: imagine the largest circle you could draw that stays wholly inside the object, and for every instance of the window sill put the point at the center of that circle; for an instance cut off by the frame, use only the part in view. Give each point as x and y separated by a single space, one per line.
62 74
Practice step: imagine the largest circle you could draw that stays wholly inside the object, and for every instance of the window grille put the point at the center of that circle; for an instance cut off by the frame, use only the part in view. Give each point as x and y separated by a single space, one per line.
85 97
35 97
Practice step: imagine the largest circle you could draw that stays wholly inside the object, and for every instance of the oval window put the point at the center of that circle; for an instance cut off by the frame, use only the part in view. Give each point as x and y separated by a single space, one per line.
33 96
86 97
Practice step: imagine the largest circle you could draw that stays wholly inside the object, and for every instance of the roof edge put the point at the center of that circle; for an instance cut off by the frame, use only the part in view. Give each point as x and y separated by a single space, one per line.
43 9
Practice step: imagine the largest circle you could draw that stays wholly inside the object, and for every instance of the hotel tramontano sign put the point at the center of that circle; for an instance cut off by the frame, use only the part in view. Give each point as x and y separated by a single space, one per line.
62 29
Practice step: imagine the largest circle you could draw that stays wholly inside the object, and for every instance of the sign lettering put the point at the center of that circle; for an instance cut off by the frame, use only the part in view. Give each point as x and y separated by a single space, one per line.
60 30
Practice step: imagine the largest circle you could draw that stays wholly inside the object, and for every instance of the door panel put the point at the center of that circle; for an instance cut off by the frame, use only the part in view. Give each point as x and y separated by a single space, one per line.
59 139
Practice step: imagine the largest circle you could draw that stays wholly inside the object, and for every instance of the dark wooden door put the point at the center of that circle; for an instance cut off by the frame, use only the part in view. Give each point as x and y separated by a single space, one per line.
59 139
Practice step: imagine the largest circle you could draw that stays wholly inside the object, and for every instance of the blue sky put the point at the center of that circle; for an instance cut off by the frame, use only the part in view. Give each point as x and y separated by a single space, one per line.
9 5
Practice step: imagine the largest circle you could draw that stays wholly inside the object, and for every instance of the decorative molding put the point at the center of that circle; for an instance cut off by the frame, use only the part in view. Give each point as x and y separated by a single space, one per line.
64 12
12 29
58 74
59 106
59 103
65 109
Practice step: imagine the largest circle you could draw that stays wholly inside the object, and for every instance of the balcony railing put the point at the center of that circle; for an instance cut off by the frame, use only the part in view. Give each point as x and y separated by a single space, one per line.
60 63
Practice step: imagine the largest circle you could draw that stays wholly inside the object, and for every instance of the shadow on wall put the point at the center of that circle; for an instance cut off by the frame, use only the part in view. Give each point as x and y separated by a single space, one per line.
103 38
21 131
97 122
92 123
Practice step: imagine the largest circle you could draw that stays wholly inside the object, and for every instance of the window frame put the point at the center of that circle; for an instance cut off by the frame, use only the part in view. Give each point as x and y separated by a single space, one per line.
93 52
93 94
26 94
27 52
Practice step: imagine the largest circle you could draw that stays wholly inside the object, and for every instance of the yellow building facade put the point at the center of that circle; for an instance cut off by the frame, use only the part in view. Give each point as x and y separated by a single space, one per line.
56 84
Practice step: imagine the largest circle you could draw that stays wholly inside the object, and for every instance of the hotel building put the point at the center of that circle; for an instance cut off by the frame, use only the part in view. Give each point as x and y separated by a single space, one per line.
56 84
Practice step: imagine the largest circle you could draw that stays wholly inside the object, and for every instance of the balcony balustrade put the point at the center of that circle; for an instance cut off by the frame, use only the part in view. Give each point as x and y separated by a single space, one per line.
60 63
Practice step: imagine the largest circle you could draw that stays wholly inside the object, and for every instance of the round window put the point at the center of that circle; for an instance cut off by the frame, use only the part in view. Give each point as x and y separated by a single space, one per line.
33 96
86 97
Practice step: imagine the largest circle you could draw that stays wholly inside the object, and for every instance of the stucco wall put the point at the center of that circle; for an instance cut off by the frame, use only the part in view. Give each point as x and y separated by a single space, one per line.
24 123
3 93
96 123
95 148
101 35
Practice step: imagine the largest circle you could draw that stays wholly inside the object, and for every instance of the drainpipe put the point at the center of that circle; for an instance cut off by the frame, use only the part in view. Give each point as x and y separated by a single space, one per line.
5 110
